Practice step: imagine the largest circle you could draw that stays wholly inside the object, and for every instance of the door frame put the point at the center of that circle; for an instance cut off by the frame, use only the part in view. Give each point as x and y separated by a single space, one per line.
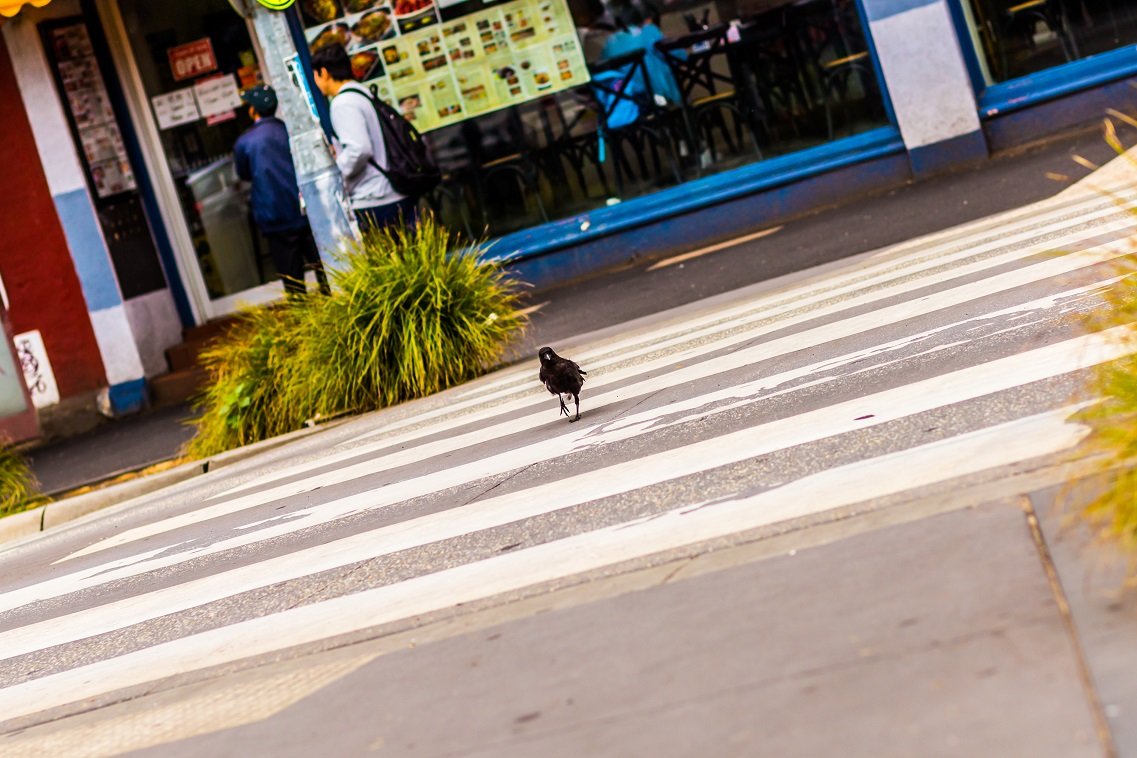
165 190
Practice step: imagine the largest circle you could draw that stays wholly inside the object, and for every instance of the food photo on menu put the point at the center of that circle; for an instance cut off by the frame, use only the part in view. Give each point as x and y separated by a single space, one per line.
411 15
373 26
438 65
366 65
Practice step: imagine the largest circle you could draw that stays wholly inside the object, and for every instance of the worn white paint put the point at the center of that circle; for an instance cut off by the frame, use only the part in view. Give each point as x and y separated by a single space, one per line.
36 365
875 478
116 345
763 439
41 101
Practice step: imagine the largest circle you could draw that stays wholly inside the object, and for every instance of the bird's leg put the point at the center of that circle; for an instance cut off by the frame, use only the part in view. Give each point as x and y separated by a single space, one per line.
564 408
577 399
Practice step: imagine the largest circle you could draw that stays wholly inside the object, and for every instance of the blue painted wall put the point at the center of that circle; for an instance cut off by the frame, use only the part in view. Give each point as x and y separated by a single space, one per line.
92 261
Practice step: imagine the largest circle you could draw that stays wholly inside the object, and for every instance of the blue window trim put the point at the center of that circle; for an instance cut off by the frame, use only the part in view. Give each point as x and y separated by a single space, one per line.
696 194
970 54
881 82
296 30
1016 94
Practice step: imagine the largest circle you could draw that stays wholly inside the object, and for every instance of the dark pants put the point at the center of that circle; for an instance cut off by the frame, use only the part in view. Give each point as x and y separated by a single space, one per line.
293 252
382 216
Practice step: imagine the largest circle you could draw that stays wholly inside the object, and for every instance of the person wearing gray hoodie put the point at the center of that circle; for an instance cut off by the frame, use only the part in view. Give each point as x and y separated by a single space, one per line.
360 151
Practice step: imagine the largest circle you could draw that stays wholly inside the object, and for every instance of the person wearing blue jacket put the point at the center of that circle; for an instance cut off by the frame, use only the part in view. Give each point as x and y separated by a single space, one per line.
637 32
263 158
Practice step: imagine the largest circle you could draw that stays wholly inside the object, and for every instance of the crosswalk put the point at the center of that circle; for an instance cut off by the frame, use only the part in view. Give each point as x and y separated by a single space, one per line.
909 369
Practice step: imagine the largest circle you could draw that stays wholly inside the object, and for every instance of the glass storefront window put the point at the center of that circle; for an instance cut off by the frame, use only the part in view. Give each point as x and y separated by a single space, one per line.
193 58
541 109
1020 37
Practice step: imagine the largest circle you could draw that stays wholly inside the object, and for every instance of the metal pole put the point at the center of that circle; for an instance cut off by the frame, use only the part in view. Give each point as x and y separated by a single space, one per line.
321 184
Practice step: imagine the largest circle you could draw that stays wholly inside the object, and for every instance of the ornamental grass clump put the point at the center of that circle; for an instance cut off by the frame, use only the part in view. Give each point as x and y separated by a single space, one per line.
247 368
18 488
406 318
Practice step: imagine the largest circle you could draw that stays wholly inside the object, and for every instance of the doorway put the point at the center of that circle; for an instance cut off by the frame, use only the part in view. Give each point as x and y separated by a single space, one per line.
183 65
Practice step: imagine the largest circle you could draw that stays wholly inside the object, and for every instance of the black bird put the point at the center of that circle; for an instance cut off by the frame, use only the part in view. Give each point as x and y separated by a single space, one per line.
561 377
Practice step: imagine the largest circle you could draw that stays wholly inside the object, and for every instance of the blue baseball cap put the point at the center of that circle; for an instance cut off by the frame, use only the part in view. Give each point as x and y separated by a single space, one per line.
262 98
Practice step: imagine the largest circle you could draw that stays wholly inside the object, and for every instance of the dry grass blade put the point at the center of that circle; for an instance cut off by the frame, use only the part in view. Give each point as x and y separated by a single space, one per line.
1113 422
18 487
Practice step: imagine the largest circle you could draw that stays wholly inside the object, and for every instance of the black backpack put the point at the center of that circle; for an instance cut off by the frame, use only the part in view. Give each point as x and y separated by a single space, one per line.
410 169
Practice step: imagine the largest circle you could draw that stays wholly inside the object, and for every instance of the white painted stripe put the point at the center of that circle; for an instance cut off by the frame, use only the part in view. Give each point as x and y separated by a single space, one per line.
56 148
1037 237
561 445
707 250
895 314
863 481
116 345
792 307
830 421
1033 225
598 379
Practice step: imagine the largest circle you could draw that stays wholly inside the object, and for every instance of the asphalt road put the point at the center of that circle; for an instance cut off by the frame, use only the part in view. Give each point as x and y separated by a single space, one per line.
1010 180
617 297
795 518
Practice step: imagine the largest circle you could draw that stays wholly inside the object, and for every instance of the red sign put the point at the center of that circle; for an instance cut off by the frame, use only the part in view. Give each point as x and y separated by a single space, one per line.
192 59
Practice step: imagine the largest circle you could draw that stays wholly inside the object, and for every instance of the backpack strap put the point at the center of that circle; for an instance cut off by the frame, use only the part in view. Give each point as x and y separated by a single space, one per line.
371 99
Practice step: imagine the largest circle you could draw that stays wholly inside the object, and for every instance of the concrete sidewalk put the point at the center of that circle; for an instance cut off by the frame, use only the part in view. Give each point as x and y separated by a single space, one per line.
898 629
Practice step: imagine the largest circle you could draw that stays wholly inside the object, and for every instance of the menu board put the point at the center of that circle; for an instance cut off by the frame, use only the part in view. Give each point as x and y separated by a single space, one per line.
91 112
442 61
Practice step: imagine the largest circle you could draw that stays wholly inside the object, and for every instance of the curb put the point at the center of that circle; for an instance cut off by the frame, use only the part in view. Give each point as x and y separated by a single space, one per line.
21 524
59 512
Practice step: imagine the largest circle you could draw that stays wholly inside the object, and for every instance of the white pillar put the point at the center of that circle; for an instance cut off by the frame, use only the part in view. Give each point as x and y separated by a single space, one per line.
926 78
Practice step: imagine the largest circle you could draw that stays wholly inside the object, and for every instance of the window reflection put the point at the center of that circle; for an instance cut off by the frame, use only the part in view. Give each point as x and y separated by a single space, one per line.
677 91
1018 38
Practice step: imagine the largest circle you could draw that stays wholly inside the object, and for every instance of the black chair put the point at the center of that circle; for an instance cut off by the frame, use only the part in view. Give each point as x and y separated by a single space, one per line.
768 66
828 35
449 197
630 117
498 174
707 93
523 170
1017 19
837 75
569 153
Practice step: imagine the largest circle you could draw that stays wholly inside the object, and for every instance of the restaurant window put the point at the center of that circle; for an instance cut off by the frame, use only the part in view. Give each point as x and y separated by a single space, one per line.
1017 38
542 109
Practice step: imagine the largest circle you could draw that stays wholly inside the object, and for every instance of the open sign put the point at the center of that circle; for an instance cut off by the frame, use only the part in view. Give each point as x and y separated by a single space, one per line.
192 59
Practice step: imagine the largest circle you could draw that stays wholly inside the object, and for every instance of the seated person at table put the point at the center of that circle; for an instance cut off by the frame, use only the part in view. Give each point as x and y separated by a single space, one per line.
633 33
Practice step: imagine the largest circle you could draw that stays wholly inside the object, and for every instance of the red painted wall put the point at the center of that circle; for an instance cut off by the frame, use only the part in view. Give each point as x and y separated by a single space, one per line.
43 289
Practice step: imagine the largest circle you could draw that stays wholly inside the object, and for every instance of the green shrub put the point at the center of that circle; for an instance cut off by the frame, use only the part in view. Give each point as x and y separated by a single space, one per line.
406 318
17 485
240 402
